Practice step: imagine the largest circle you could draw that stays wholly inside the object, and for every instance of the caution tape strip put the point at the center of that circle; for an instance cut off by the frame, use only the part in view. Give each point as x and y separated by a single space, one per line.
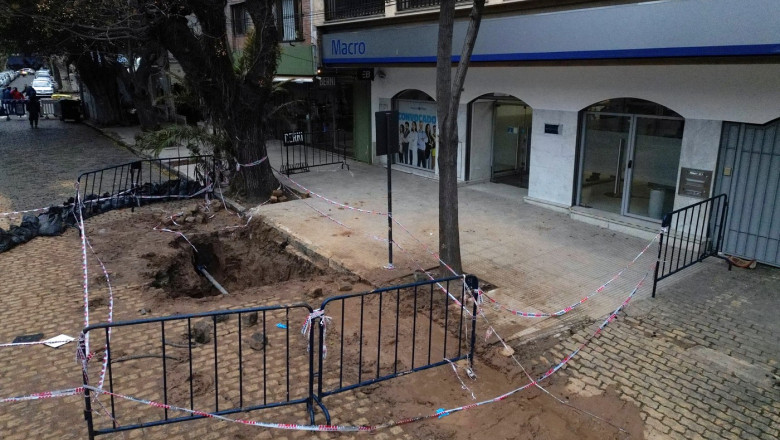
367 428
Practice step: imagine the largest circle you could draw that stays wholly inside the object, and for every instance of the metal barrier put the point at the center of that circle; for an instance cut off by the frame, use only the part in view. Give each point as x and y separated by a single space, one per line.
132 183
47 108
691 234
404 339
14 107
149 374
225 362
301 151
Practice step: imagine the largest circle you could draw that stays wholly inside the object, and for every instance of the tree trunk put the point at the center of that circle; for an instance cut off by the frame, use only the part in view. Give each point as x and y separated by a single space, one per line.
136 81
448 100
100 78
238 103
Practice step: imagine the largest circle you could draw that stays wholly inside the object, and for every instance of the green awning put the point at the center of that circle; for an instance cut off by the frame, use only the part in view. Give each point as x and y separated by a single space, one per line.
297 60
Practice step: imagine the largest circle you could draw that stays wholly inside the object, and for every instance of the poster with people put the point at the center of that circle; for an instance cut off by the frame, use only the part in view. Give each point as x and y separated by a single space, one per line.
418 134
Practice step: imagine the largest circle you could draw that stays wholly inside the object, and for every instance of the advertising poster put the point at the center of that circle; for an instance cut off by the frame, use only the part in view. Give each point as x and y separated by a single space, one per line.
417 134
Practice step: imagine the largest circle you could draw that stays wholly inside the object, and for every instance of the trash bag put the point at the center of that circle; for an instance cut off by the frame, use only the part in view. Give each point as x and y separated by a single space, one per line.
51 223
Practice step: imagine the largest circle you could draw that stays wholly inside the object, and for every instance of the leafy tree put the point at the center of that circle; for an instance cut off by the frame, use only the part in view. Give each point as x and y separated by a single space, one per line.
448 98
95 32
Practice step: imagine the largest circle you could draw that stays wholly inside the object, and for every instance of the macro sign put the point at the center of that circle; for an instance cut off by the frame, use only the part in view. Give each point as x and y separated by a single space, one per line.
680 28
347 48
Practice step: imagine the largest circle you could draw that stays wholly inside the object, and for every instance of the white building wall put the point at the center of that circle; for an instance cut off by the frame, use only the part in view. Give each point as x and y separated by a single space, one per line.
552 157
703 94
700 145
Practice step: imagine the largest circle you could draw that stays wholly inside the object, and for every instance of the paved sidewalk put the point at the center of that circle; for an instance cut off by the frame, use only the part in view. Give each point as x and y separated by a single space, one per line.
40 166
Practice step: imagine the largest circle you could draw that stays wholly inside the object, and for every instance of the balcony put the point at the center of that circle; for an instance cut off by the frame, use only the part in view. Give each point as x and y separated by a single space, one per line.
406 5
341 9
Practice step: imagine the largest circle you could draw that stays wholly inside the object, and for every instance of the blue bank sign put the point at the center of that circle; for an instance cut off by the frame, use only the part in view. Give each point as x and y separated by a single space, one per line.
680 28
346 48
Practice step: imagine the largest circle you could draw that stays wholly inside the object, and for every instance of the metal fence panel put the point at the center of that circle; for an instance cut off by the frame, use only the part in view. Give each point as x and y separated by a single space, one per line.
134 183
317 149
216 362
692 234
374 336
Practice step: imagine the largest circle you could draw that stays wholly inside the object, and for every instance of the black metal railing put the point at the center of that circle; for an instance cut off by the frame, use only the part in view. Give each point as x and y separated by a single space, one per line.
222 363
186 367
316 149
691 234
143 181
404 5
340 9
13 107
412 327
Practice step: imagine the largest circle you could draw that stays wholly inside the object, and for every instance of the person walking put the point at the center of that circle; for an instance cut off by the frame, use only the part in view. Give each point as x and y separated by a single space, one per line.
6 104
33 106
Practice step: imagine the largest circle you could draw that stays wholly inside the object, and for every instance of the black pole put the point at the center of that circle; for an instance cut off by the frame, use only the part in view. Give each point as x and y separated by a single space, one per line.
389 198
472 283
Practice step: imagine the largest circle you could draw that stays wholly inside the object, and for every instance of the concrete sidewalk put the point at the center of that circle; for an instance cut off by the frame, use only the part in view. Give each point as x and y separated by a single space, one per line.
537 260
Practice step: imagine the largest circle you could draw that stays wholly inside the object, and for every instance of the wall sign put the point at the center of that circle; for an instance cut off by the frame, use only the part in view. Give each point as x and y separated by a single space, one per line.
365 74
327 81
293 138
695 183
680 28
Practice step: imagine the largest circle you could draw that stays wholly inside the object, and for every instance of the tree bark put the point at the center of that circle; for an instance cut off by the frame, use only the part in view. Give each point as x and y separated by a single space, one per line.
100 78
448 100
136 81
238 103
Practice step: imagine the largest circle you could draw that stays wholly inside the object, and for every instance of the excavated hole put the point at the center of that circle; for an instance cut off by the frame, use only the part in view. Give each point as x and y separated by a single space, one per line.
238 260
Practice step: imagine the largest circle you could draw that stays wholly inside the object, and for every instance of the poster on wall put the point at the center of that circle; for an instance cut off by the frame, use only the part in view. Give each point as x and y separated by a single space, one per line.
418 134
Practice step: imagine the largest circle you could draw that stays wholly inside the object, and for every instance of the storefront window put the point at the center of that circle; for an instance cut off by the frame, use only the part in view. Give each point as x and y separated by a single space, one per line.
418 130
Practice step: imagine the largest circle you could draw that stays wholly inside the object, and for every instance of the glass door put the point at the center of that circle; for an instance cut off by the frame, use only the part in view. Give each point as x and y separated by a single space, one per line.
506 136
603 164
653 165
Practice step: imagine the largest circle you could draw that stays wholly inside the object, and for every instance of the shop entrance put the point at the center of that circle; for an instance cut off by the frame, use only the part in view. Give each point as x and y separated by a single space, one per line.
630 157
499 146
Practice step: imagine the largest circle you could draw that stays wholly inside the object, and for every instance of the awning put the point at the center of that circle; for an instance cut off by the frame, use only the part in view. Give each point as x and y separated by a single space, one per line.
294 79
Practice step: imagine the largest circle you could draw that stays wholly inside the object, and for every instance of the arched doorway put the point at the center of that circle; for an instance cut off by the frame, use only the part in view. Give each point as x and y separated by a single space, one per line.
418 129
499 140
629 157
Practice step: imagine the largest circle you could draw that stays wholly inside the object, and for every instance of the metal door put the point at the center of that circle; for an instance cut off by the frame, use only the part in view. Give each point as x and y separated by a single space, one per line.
749 171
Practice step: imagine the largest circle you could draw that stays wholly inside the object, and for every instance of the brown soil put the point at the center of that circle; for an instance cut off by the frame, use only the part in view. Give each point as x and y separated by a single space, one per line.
259 267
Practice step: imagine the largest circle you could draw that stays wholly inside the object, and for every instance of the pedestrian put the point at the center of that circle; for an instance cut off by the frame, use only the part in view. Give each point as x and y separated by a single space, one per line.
16 95
34 110
5 107
30 92
33 105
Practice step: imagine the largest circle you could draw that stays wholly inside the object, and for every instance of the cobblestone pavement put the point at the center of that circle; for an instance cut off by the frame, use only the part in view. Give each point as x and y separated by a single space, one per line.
700 360
39 166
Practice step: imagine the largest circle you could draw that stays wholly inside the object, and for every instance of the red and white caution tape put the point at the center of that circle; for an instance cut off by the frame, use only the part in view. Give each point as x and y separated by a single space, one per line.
568 309
308 325
247 165
44 395
17 213
332 202
367 428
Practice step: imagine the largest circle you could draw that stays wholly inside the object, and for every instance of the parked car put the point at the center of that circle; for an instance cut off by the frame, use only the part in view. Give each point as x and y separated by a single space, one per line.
42 87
